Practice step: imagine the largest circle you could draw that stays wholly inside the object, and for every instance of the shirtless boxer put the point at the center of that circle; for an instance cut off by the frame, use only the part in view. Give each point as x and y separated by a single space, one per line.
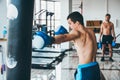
85 43
108 35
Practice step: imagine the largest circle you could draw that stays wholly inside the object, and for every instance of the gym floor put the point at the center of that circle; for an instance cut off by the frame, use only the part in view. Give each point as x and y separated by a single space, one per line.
110 70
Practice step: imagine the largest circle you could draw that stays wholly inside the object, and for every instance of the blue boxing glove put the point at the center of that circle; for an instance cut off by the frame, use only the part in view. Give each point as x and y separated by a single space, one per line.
99 45
60 30
113 44
41 40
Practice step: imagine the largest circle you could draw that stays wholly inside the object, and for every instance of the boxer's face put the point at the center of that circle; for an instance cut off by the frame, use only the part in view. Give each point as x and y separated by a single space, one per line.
107 18
71 24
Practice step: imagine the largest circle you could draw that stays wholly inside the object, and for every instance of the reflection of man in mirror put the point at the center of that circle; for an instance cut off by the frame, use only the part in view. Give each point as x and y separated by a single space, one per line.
108 35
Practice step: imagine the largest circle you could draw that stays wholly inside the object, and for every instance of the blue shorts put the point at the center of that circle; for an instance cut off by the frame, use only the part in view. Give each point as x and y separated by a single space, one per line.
90 71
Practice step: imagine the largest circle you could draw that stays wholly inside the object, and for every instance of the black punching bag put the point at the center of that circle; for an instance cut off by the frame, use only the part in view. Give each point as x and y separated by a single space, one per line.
18 59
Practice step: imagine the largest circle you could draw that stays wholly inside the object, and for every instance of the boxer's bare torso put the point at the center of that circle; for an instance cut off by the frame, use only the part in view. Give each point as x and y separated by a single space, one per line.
84 41
107 28
86 46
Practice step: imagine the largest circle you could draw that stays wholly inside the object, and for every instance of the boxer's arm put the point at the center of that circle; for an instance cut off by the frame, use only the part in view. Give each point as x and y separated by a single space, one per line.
113 32
66 37
101 31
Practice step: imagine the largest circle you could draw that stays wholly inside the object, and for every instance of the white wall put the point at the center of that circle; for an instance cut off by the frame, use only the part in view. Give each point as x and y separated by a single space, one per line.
3 12
113 9
94 9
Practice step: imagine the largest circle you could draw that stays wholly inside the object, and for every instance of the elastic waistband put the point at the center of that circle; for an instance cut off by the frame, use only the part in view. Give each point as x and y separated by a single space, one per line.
107 35
88 65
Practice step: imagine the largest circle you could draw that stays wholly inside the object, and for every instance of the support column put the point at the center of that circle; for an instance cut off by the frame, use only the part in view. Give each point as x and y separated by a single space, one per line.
66 8
37 10
18 59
